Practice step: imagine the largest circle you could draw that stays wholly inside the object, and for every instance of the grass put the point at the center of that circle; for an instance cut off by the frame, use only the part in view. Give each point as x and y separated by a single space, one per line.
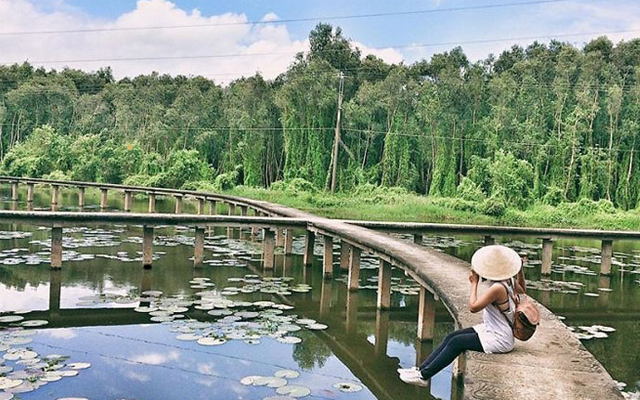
407 207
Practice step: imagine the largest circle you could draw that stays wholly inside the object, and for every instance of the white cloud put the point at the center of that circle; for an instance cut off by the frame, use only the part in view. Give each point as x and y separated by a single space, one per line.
389 55
63 333
156 358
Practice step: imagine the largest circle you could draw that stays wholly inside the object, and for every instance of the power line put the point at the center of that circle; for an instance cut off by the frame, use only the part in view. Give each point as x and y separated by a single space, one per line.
403 46
290 20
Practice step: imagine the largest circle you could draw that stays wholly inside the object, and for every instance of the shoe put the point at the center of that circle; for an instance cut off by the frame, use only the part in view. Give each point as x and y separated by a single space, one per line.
414 378
407 370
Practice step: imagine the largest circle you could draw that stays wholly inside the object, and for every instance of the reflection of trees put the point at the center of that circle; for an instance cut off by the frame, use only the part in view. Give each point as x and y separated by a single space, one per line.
310 351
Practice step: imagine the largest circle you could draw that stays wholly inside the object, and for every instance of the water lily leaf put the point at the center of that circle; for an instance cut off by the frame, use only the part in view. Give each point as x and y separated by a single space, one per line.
289 340
6 383
348 387
287 373
317 327
294 391
209 341
34 323
79 365
11 318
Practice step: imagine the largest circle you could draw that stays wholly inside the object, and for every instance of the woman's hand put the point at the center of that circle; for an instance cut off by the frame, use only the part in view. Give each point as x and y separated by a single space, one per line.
473 277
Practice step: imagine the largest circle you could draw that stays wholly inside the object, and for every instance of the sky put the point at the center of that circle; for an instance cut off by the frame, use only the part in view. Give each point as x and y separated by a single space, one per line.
225 39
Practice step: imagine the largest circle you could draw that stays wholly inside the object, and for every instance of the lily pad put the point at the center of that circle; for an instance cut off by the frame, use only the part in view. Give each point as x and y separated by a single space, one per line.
348 387
294 391
287 373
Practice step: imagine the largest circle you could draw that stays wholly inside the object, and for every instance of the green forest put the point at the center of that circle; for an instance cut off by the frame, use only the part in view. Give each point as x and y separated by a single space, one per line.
546 124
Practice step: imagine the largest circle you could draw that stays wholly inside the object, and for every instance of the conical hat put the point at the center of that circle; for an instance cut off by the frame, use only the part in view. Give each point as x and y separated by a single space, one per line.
496 262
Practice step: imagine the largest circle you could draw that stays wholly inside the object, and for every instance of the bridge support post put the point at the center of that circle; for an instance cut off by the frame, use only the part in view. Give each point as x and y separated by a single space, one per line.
381 333
152 203
54 290
198 250
606 253
103 199
344 255
14 191
147 246
352 311
54 197
489 240
81 197
201 204
213 207
288 242
128 197
384 285
268 246
354 269
178 209
325 298
30 187
426 315
56 247
327 258
309 241
547 252
417 239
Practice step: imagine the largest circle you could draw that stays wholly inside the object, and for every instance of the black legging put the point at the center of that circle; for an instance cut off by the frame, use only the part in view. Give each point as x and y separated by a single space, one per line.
455 343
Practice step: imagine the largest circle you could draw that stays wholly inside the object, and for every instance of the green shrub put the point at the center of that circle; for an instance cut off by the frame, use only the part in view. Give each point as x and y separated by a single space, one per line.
138 180
494 206
294 186
226 181
56 175
554 196
469 190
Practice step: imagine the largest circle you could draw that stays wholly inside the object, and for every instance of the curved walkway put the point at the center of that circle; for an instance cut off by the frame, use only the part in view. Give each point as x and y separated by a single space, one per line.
553 365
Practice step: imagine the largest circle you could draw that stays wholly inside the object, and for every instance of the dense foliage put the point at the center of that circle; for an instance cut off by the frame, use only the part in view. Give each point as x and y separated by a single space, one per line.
543 124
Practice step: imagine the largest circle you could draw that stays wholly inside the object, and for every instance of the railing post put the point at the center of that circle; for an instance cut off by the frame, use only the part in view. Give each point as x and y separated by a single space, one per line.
152 203
198 251
14 191
81 197
606 253
327 259
54 197
417 238
426 315
213 207
489 240
243 210
547 252
268 245
147 246
178 209
30 187
56 247
128 197
288 241
201 203
384 285
103 199
309 242
354 269
344 255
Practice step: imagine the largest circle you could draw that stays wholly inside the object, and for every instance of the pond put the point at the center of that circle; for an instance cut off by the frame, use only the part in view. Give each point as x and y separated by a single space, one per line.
234 331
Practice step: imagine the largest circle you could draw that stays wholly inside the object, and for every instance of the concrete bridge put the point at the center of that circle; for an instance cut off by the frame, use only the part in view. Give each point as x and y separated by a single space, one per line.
554 365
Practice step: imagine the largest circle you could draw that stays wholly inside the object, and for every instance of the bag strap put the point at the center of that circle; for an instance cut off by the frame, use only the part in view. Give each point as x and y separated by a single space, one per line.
508 296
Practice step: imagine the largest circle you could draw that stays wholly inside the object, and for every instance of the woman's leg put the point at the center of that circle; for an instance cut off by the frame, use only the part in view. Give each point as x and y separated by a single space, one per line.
442 345
456 345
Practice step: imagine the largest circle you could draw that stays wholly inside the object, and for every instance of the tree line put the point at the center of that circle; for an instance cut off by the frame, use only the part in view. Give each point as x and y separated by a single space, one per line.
550 123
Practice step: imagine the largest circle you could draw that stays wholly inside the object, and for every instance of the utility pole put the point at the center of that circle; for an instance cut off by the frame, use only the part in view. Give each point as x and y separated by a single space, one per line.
336 140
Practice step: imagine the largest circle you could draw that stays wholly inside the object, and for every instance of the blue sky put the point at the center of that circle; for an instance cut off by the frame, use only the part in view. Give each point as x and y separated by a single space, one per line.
389 37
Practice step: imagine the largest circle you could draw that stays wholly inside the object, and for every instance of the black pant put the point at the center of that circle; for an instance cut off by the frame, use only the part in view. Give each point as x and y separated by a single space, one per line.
455 343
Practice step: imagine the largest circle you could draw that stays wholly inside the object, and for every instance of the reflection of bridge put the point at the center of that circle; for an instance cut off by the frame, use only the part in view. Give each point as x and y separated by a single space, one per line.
440 276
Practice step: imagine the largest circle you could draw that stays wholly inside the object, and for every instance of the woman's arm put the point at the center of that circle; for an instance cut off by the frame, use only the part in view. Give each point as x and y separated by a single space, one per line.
489 296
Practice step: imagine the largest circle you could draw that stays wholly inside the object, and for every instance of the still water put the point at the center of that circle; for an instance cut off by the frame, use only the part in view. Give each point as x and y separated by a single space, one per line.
233 331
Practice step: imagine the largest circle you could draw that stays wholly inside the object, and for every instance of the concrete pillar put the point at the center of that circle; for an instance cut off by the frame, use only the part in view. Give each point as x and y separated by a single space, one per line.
147 246
327 258
417 239
14 191
268 247
81 197
426 315
145 285
244 210
232 209
288 241
178 209
381 333
54 197
354 269
56 247
213 207
128 199
606 253
30 187
547 252
103 198
201 203
152 203
352 311
384 285
326 294
344 255
489 240
279 237
55 282
198 251
309 241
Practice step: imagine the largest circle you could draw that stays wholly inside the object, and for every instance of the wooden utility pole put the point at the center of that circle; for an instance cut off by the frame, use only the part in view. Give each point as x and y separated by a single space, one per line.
336 140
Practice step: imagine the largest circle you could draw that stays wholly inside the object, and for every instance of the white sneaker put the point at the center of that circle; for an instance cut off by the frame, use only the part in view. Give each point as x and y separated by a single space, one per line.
414 378
407 370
